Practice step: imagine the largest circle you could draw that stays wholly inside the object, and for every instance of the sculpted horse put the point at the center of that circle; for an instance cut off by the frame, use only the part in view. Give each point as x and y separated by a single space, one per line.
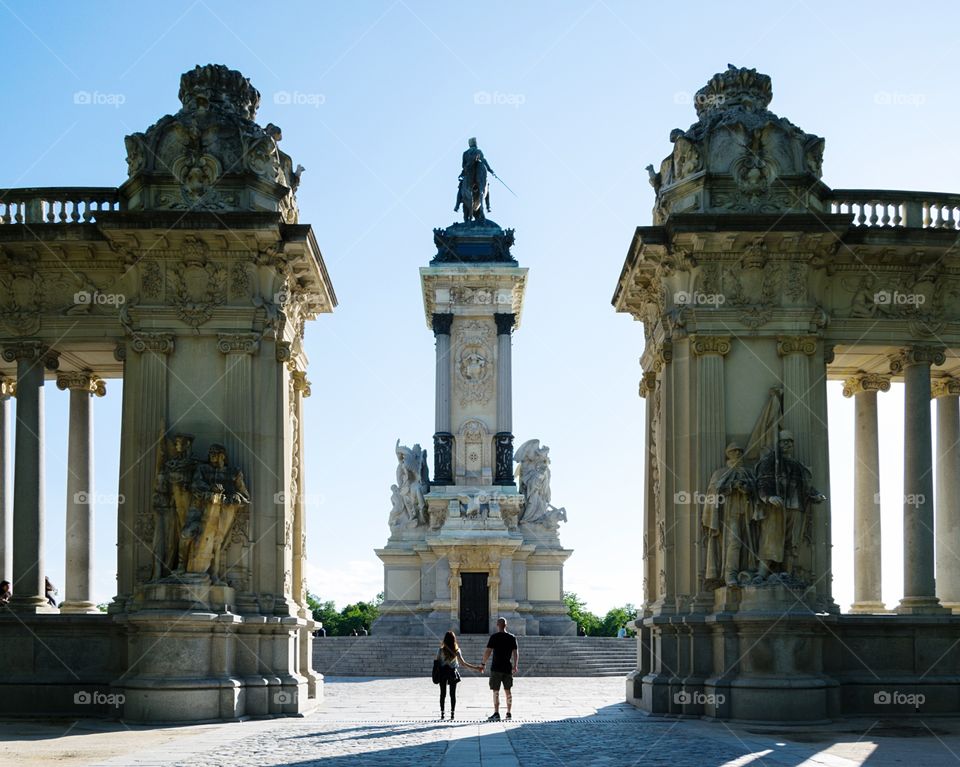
474 191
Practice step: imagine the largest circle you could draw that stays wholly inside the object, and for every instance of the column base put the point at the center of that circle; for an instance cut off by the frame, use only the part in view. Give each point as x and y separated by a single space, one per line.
869 608
953 607
78 607
921 606
31 605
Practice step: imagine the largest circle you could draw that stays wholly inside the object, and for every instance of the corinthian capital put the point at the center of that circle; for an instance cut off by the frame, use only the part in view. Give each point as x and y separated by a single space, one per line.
945 386
917 355
32 350
238 343
158 343
662 355
796 345
710 345
648 382
862 382
82 380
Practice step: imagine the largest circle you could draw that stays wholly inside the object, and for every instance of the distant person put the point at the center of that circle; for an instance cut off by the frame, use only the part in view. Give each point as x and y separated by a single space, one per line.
353 633
622 632
5 592
581 632
506 656
319 631
450 660
50 591
364 631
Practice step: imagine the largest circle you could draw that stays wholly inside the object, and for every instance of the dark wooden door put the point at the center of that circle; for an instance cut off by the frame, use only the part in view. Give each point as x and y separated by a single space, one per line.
474 605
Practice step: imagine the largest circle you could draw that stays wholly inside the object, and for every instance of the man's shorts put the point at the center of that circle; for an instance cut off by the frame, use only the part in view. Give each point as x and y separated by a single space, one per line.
500 677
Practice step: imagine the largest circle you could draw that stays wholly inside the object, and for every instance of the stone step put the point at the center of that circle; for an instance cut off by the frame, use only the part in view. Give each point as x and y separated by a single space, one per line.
413 656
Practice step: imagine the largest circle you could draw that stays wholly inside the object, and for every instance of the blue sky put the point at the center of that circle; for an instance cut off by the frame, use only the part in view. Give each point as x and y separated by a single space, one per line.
569 102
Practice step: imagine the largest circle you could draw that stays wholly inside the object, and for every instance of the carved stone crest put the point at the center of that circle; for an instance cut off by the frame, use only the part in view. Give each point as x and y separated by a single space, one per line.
474 362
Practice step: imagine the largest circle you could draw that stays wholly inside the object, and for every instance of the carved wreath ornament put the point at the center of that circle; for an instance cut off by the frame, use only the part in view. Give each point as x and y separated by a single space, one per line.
474 363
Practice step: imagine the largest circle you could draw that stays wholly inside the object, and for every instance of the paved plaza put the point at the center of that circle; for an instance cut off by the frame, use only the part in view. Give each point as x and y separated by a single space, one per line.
558 722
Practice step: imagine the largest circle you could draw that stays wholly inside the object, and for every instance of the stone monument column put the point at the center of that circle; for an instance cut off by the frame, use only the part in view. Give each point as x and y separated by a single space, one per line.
8 388
867 562
919 586
82 385
28 501
711 430
947 527
648 385
442 436
144 409
503 474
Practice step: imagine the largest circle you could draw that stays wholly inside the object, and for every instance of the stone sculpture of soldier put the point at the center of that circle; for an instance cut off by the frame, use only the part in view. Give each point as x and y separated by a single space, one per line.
786 492
474 188
728 519
409 507
218 492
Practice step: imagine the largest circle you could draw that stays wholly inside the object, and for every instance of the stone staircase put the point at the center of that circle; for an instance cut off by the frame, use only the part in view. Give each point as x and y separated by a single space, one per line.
413 656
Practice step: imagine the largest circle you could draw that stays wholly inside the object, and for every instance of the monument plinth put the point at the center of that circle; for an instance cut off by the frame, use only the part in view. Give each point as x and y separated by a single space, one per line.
480 540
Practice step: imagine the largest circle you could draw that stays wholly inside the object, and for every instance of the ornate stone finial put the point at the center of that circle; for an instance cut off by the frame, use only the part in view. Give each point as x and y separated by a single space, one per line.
863 382
736 87
215 86
82 380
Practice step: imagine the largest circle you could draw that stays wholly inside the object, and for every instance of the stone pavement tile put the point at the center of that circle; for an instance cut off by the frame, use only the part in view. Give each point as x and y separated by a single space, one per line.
395 723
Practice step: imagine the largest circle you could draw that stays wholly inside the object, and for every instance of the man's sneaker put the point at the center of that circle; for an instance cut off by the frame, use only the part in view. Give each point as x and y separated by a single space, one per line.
494 717
509 715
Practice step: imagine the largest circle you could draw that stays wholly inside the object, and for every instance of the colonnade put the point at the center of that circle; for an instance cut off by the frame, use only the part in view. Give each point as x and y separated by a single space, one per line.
931 546
22 557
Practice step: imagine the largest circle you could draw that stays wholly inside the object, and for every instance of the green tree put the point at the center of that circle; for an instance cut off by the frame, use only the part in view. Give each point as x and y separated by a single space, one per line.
325 612
617 617
577 610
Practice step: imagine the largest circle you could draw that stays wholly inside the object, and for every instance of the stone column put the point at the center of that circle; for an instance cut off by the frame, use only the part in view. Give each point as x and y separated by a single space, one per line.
648 385
82 386
29 593
454 592
503 475
493 595
711 433
947 527
919 585
144 411
8 388
301 389
867 562
443 437
796 352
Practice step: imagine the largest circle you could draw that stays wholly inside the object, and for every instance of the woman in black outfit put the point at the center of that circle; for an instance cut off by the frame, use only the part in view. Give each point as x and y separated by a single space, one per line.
450 660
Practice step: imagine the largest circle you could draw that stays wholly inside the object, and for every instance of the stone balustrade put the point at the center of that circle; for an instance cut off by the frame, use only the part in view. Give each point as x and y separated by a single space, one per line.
57 205
887 207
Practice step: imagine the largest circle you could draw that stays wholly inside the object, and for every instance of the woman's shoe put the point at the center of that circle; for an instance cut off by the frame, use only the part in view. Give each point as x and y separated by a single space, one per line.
441 713
451 716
